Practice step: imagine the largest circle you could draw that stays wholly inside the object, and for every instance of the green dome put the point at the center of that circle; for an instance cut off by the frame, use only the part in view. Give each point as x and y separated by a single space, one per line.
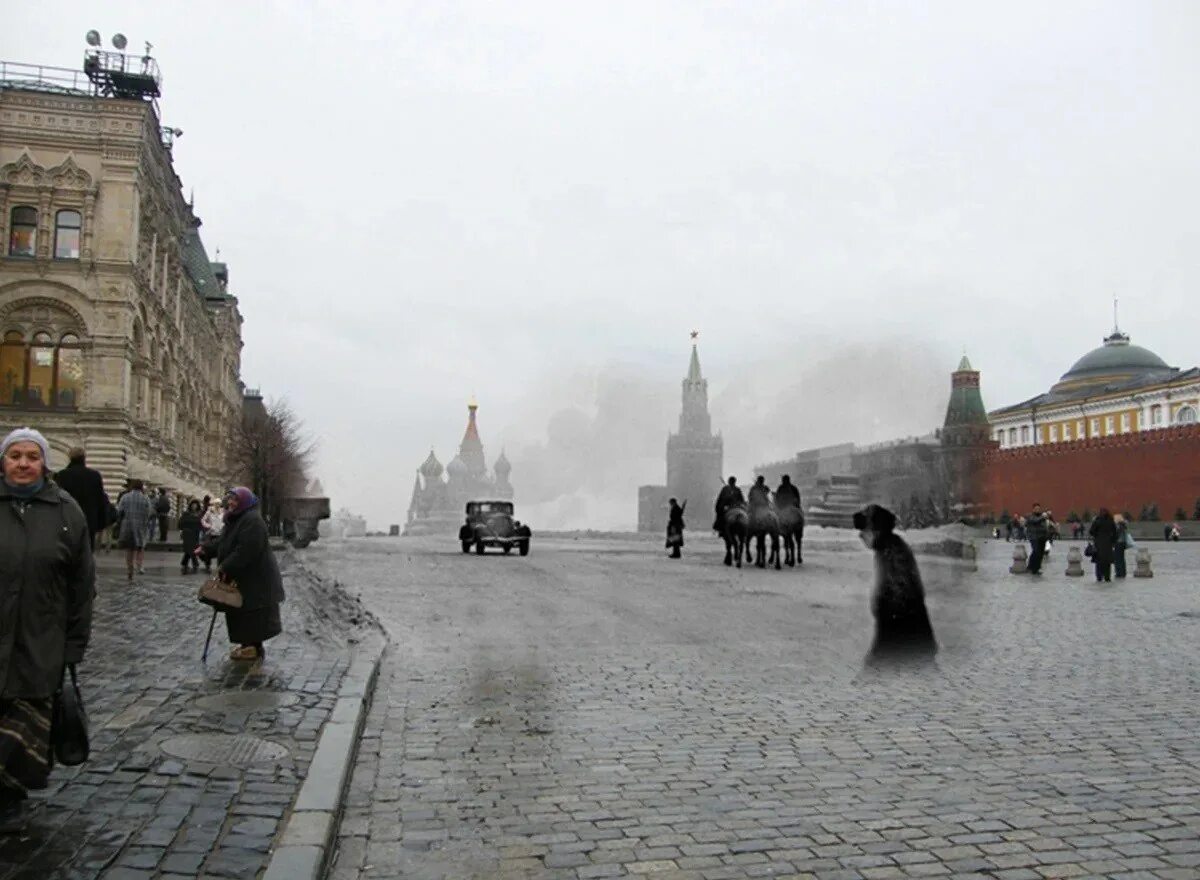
1116 358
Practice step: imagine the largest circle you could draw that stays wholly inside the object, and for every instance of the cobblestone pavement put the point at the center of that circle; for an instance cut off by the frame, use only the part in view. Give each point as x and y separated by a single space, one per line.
133 811
597 710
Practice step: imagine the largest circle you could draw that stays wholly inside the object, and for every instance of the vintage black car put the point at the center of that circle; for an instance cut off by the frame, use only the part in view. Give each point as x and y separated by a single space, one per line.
491 524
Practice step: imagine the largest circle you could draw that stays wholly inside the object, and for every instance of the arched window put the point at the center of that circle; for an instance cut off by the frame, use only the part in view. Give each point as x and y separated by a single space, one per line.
1186 416
1155 416
12 369
41 372
22 234
66 235
68 382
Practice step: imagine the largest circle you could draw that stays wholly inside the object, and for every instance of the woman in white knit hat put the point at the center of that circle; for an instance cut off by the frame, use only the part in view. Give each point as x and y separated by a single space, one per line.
48 583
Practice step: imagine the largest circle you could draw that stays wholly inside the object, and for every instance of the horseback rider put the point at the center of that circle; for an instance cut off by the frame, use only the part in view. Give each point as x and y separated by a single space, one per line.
729 496
787 495
760 495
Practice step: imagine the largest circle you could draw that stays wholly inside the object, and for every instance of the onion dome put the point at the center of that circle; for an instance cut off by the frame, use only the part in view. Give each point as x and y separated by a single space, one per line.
432 468
502 466
1116 361
456 468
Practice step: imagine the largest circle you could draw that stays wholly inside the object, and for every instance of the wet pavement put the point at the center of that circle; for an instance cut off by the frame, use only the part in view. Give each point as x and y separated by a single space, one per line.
139 810
597 710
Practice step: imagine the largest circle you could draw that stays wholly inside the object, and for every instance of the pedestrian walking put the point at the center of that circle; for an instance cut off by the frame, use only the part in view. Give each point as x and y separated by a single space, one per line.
675 527
135 512
1037 532
48 578
902 628
1104 538
211 525
244 556
86 486
162 509
189 534
1123 542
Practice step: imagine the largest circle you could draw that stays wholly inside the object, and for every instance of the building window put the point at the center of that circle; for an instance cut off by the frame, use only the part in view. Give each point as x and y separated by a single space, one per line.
1066 431
1124 423
1054 433
1109 423
1012 436
42 372
22 235
1155 416
66 235
1186 416
1024 433
1080 433
1095 428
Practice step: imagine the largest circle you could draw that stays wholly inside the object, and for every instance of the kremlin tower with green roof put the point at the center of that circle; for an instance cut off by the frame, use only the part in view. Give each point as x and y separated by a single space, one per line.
966 417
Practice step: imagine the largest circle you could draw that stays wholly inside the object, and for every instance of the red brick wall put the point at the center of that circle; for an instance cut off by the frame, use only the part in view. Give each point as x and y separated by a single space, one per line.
1123 472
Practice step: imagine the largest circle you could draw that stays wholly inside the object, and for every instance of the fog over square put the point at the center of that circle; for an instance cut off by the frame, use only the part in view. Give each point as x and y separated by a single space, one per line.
535 203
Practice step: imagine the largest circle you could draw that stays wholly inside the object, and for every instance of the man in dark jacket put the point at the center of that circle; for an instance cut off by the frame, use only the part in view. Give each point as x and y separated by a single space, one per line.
86 486
729 496
162 509
1037 532
760 495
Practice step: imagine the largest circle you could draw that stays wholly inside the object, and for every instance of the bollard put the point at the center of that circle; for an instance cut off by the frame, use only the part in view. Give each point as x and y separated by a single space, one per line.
1143 564
1020 563
970 556
1074 563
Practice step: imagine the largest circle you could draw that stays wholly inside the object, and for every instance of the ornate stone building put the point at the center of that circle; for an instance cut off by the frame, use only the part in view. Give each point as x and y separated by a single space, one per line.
117 332
694 458
440 494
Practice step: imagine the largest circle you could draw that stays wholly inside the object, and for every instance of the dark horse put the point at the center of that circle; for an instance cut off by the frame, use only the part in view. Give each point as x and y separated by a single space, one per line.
736 533
764 522
791 526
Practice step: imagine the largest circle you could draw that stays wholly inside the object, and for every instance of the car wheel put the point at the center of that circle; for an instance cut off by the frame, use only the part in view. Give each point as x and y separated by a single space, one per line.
466 545
524 548
479 547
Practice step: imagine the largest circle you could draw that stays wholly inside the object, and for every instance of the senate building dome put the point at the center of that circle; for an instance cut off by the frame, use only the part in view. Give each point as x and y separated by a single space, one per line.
1116 361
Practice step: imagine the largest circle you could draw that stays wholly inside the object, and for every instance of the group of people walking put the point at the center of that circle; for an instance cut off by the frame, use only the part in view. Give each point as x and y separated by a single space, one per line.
49 525
1108 540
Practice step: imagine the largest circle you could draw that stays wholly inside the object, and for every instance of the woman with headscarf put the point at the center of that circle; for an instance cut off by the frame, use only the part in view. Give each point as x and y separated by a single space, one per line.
244 556
902 628
1104 538
47 582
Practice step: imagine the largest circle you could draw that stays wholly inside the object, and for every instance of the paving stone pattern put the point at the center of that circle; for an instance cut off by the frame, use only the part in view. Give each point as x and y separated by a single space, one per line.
133 812
598 711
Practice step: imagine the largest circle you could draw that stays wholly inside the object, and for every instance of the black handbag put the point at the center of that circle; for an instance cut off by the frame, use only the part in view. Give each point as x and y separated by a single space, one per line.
1090 550
68 724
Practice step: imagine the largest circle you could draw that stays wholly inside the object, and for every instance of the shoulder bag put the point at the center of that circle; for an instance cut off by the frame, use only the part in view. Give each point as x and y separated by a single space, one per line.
68 723
221 594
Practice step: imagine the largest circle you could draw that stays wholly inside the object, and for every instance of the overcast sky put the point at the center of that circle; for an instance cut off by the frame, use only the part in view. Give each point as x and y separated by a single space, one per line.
536 202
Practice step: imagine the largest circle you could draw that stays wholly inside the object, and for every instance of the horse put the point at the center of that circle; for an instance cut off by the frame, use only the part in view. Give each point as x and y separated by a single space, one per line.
791 525
764 521
736 534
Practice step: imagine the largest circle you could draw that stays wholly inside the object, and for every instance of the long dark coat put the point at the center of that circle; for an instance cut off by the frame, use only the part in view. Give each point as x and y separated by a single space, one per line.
1104 539
902 627
47 583
86 486
245 556
189 530
675 526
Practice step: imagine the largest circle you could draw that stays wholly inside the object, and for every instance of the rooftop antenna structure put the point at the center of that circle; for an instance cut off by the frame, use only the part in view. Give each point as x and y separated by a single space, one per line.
115 75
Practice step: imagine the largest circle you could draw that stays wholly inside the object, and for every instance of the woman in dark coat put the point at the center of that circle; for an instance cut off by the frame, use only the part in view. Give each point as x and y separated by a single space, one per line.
902 627
675 528
189 534
244 556
47 583
1104 540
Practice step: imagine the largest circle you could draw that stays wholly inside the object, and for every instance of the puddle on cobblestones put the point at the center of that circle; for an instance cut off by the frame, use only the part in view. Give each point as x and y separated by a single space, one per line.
222 748
247 701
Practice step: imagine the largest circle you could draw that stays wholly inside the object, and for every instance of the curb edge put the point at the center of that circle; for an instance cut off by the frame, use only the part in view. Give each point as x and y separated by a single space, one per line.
306 842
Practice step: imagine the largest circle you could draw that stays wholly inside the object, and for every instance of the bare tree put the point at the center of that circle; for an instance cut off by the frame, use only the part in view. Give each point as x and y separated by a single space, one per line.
272 455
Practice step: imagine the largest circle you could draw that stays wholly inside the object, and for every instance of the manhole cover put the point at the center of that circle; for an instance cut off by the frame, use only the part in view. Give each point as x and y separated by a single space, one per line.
246 701
223 748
